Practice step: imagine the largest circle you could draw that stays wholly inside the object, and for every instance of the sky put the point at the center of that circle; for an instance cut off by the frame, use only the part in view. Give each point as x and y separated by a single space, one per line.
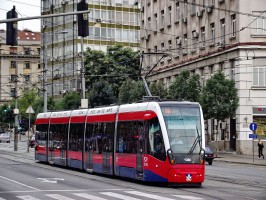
24 8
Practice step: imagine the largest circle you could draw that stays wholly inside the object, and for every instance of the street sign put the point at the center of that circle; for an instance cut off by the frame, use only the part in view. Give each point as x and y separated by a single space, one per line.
30 110
253 126
253 136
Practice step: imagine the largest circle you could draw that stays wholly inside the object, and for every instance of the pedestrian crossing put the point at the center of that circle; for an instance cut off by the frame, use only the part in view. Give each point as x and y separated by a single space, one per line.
128 195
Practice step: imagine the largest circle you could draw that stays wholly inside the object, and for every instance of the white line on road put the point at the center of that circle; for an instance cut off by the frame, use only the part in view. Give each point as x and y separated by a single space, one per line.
58 196
151 196
188 197
27 197
119 196
88 196
18 183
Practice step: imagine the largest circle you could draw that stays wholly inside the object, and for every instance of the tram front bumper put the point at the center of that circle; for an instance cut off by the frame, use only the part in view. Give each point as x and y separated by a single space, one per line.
186 175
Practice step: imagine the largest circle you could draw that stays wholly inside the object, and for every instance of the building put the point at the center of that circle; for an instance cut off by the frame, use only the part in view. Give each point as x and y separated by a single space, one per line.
110 22
19 64
205 36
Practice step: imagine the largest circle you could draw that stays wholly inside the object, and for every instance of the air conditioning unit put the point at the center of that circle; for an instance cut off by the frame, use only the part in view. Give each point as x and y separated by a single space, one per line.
195 34
184 19
64 2
220 43
178 42
200 13
74 89
209 9
98 20
221 1
63 91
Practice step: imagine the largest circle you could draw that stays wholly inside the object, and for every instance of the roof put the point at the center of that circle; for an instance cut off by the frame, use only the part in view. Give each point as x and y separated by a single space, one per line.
29 35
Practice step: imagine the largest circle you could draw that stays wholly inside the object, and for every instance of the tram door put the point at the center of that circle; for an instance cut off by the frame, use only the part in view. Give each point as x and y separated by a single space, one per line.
89 148
140 150
107 153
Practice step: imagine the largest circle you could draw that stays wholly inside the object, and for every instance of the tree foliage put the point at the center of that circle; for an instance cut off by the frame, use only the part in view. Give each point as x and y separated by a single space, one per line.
157 89
185 87
101 94
114 66
71 101
219 97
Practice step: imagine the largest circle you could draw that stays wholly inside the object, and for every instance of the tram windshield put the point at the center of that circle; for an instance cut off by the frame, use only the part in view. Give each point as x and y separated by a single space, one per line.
183 128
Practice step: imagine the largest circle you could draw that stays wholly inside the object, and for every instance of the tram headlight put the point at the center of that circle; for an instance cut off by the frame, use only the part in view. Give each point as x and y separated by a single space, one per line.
170 156
202 156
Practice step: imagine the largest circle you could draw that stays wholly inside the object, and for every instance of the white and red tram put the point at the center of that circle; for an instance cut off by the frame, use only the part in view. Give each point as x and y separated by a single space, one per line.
151 141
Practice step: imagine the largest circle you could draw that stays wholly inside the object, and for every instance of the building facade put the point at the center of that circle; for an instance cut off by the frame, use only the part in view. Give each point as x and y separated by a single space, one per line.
207 36
19 64
110 22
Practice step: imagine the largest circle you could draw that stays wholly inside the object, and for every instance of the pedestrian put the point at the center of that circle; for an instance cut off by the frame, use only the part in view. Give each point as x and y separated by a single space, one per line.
260 148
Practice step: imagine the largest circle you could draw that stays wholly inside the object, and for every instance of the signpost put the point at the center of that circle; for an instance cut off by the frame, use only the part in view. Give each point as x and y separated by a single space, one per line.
29 111
253 127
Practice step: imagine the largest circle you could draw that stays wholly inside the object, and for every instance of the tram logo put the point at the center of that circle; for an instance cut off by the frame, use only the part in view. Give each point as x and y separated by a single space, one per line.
187 159
188 177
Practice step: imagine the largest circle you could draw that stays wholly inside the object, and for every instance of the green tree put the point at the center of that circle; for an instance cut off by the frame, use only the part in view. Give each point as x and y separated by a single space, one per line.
114 66
219 99
185 87
71 101
29 98
157 89
101 94
131 91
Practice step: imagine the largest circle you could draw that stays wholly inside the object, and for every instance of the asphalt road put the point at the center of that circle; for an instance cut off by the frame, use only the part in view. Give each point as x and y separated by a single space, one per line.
23 178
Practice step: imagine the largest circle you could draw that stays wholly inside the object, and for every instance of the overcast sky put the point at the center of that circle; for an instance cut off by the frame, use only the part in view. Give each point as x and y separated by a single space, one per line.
24 8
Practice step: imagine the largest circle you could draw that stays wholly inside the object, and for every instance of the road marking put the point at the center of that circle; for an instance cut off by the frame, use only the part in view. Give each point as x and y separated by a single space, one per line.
27 198
88 196
119 196
188 197
18 183
50 180
58 196
151 196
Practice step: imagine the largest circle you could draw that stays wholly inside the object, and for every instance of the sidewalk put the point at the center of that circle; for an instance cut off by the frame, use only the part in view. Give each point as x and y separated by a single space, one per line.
233 157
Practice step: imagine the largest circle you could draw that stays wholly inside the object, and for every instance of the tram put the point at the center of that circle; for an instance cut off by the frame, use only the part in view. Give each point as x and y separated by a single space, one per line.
149 141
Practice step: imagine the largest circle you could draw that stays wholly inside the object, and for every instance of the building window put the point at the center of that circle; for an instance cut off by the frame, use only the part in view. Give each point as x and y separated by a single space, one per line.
185 46
13 78
156 21
13 64
162 19
185 8
193 7
169 45
27 51
177 11
194 41
27 65
212 33
259 25
203 39
223 31
170 15
12 92
26 78
233 25
259 76
232 69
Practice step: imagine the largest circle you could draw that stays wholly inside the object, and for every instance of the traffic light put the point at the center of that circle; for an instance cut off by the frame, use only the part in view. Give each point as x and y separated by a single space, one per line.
12 28
83 25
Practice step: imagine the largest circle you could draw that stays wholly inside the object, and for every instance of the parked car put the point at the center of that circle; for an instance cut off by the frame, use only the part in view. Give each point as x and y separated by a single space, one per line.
32 141
209 154
4 136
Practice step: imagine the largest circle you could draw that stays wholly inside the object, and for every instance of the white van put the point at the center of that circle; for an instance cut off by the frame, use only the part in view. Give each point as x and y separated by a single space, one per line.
4 136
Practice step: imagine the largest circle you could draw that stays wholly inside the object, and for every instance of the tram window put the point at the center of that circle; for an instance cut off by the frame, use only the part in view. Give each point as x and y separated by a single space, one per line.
89 138
130 137
76 137
41 134
156 142
58 136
